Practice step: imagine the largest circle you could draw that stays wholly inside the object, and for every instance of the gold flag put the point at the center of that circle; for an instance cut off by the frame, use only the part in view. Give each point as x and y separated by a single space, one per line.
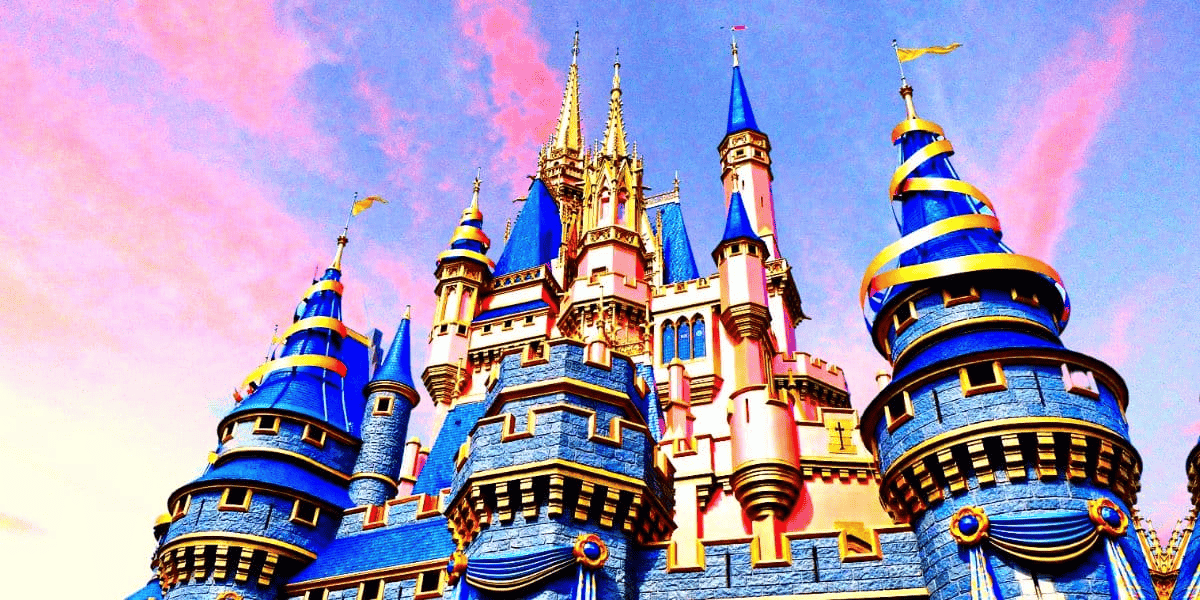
907 54
366 203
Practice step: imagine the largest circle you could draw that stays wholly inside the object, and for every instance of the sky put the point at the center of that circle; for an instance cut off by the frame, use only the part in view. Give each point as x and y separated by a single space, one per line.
172 173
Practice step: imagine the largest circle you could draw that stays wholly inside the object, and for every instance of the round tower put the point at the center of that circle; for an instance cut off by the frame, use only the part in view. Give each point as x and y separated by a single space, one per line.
762 428
1008 453
391 398
274 490
463 270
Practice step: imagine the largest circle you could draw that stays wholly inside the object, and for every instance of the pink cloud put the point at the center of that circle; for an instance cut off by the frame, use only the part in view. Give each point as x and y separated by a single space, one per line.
396 139
12 524
236 55
1035 200
523 94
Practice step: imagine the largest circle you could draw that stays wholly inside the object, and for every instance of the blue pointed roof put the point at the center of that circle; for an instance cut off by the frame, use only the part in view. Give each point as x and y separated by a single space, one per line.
741 116
737 222
679 264
314 391
397 365
536 236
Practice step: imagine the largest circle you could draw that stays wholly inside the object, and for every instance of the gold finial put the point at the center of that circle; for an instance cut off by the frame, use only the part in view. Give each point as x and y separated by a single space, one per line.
733 47
568 136
614 129
475 190
341 247
677 181
617 72
905 89
407 312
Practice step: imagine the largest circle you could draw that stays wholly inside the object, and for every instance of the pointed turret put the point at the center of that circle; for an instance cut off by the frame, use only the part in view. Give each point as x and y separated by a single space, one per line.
614 128
569 133
391 397
737 222
469 241
536 234
741 115
985 432
561 164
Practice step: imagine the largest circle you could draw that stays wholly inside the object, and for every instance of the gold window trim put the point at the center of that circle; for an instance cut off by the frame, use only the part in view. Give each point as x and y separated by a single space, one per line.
999 384
948 300
296 518
895 421
243 507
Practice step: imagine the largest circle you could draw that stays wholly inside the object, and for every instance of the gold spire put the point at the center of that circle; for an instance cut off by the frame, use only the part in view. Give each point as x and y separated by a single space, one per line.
407 312
906 93
614 130
472 211
569 134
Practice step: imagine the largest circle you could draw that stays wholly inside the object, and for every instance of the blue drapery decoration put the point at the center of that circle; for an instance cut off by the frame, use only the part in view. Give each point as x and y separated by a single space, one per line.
511 572
1056 537
585 584
1047 538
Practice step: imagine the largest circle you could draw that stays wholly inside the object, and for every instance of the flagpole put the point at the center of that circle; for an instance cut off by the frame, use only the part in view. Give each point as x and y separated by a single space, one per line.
899 63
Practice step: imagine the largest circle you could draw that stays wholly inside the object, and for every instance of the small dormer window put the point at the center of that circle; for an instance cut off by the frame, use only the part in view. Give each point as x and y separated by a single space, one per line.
227 432
1080 381
529 320
508 323
236 498
383 406
487 328
314 435
370 590
735 249
752 250
267 425
905 315
983 377
321 594
898 411
305 513
959 294
1025 296
181 507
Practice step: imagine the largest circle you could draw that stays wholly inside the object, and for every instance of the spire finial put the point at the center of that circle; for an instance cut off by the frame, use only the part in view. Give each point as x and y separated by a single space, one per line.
407 312
575 45
475 191
906 90
733 46
616 87
677 181
614 129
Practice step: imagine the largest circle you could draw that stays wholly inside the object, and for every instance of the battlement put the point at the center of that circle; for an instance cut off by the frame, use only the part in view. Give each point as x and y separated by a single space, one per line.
803 364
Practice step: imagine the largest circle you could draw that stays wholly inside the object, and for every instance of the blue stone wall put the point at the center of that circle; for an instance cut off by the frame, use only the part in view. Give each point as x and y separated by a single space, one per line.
728 572
1025 396
268 516
334 454
932 314
1188 567
382 450
209 590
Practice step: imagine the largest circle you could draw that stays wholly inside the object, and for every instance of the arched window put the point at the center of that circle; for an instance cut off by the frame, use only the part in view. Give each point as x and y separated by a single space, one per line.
685 340
668 342
698 337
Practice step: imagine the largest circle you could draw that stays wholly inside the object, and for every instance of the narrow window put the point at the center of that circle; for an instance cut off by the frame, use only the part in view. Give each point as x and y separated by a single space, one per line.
227 432
1025 296
375 516
529 320
237 498
314 435
316 595
735 249
668 342
698 349
898 410
685 340
980 378
487 328
508 323
429 581
370 590
182 505
1080 381
266 424
905 315
959 294
305 513
383 406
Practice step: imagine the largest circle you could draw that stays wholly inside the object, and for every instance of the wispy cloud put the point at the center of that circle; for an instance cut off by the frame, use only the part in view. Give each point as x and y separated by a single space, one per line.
1083 89
396 139
237 55
12 524
522 94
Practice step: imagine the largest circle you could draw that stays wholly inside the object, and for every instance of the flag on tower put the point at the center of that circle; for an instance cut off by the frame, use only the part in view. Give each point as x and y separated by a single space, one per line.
366 203
907 54
738 28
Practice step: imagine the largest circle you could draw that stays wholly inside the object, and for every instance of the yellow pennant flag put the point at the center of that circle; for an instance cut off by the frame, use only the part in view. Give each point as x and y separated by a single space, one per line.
366 203
907 54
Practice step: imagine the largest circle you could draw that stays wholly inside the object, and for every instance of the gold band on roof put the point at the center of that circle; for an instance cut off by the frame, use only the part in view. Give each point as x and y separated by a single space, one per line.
324 284
329 323
918 158
941 184
468 232
471 254
321 361
962 264
909 125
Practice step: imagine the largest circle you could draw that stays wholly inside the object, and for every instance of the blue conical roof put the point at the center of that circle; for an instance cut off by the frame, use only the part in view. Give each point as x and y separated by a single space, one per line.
737 222
536 236
396 366
679 263
741 116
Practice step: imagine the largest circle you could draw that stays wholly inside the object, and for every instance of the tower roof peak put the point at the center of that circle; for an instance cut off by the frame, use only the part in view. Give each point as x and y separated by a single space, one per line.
614 129
469 241
741 115
569 133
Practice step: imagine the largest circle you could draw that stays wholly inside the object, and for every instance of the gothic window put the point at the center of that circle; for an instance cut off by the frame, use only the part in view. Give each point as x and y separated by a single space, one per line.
685 340
305 513
668 342
698 348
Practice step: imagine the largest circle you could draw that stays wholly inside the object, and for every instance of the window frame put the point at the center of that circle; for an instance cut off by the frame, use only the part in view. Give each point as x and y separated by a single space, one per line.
315 440
913 315
895 421
948 300
702 346
362 588
297 518
1031 299
1092 391
383 412
999 382
244 506
271 430
183 505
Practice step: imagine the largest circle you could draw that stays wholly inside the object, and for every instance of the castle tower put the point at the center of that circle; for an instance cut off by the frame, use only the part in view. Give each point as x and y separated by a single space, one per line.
463 271
561 162
274 490
391 397
766 475
1008 453
559 481
609 297
1182 556
746 170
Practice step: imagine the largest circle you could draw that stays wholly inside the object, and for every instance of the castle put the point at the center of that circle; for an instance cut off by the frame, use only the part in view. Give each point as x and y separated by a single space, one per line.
615 419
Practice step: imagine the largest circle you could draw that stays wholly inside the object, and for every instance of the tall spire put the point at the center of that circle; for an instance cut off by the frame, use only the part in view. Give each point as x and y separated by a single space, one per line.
469 241
614 130
569 134
396 365
741 115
